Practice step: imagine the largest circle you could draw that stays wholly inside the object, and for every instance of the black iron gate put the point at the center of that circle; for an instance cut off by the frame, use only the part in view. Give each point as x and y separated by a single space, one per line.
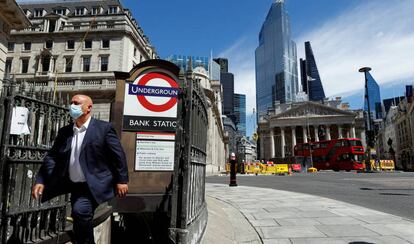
24 220
189 211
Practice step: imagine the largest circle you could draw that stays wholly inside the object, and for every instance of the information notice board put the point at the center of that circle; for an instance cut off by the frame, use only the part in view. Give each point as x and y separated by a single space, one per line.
155 151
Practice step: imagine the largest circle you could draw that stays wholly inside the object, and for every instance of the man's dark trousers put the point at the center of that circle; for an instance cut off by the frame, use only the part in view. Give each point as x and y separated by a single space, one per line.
83 208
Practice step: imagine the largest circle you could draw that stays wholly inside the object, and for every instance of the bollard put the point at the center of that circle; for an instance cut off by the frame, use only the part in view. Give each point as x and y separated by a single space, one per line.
233 170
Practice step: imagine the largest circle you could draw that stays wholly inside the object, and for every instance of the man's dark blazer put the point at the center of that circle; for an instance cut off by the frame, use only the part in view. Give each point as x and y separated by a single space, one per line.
101 158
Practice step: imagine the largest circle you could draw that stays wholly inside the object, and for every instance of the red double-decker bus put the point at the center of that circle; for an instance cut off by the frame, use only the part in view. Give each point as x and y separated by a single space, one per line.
339 154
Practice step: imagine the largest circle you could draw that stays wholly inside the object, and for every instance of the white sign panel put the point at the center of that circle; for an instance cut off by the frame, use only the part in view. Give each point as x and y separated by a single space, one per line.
19 121
152 94
155 152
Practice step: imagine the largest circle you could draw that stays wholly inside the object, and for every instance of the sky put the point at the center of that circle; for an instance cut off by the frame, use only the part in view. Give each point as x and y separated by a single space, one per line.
345 35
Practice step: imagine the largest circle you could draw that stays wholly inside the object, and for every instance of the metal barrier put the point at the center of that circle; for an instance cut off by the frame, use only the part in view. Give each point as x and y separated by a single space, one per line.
387 165
189 211
22 218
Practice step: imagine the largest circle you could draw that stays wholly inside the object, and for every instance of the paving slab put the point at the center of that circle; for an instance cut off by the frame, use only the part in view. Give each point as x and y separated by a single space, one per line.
275 216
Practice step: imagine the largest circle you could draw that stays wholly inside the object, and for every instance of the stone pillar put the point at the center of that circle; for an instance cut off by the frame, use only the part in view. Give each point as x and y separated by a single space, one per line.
305 134
327 132
282 141
340 132
353 134
50 64
39 66
261 156
315 129
272 144
293 138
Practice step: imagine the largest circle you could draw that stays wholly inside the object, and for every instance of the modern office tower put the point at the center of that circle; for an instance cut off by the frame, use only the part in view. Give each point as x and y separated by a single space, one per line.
182 61
311 81
303 75
374 97
240 113
76 46
224 64
227 81
276 65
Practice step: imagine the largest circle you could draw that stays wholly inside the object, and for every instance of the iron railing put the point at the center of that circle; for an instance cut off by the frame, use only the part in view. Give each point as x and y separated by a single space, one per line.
189 211
23 219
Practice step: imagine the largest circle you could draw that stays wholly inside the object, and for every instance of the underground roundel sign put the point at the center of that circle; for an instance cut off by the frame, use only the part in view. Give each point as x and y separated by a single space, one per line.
150 102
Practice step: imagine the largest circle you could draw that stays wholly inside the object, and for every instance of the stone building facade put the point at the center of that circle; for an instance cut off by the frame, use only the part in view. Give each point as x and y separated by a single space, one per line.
216 147
288 124
74 46
11 17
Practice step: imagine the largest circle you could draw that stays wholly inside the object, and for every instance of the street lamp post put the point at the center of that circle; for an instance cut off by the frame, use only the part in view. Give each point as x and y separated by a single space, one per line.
369 131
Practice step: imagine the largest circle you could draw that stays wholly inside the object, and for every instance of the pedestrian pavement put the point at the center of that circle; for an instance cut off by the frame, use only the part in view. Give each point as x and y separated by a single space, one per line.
259 215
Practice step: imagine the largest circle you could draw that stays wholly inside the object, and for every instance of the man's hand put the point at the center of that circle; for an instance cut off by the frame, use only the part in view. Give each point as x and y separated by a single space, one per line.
121 190
37 190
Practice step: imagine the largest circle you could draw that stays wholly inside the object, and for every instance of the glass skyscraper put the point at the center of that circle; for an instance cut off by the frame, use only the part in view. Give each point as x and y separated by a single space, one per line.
276 64
182 61
374 97
240 113
311 81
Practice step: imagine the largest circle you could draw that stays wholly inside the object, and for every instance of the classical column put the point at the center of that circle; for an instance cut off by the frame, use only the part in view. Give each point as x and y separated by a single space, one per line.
315 129
282 142
340 132
39 66
305 134
327 132
272 143
353 134
293 138
50 64
261 156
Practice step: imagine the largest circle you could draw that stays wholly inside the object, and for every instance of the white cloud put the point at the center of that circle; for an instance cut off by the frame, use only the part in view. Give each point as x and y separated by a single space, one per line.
378 34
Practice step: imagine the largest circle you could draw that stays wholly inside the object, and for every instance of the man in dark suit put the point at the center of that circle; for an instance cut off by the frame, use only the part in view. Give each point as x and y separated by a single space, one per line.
86 160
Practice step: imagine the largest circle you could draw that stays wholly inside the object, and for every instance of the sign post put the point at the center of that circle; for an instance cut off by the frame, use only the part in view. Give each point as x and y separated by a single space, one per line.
144 113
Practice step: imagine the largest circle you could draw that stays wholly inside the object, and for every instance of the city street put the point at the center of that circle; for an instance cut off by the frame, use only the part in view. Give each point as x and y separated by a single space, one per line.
387 192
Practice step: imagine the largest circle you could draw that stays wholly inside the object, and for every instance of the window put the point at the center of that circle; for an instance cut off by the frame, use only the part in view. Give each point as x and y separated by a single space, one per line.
45 63
27 46
38 13
10 46
86 64
95 11
52 25
105 43
112 10
88 44
25 66
135 51
79 11
60 11
110 24
76 26
8 66
104 63
49 44
70 44
68 64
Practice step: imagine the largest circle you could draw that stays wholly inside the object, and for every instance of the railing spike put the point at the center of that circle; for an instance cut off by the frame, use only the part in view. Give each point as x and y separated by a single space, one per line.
42 93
